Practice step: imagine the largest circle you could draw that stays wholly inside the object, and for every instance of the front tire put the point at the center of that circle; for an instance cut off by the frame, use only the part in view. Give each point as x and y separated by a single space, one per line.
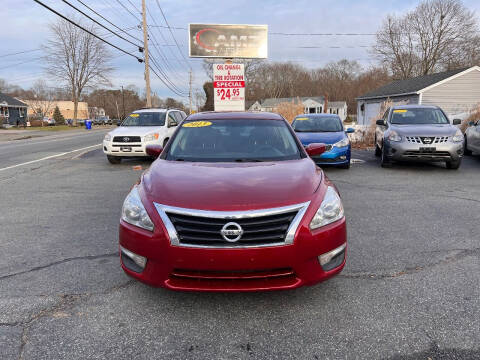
465 150
114 159
384 161
453 165
378 151
165 142
345 166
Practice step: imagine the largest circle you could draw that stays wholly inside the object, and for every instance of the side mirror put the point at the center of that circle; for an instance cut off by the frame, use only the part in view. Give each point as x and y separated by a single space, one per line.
154 150
380 122
456 122
118 123
171 123
314 149
350 130
471 123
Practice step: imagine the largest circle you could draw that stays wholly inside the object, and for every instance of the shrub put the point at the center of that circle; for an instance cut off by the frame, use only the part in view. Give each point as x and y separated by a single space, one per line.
289 110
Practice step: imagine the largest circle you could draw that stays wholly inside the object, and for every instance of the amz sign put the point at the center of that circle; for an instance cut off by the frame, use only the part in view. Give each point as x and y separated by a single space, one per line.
229 87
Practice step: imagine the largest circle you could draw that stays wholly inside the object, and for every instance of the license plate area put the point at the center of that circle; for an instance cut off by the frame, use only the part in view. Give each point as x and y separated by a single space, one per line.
428 149
126 148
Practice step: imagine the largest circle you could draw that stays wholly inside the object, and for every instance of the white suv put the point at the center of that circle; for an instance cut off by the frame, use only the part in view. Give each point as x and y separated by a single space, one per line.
141 128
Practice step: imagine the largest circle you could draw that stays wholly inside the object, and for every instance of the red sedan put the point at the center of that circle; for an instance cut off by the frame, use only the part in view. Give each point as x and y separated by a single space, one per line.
233 203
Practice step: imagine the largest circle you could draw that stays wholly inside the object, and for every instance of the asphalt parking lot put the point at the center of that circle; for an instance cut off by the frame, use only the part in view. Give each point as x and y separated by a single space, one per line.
410 290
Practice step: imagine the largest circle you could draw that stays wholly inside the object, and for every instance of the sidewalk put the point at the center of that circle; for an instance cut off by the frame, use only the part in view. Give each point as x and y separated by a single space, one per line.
21 134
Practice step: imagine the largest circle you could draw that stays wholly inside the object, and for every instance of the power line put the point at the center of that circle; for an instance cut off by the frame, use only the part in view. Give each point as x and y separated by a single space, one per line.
19 52
20 63
100 15
103 26
135 16
89 32
175 89
173 36
163 81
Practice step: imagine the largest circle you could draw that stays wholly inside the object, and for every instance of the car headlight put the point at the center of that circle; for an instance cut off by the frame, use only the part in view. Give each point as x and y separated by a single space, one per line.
133 211
393 136
342 143
151 137
107 137
458 137
329 211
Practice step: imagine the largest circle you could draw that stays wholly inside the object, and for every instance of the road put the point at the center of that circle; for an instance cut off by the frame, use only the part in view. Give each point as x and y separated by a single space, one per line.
410 290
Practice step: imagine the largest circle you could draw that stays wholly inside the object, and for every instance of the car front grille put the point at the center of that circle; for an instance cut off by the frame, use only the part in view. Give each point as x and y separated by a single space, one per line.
427 139
198 228
126 139
423 153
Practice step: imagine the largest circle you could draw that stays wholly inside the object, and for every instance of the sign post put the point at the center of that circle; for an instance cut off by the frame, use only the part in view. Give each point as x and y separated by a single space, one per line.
229 87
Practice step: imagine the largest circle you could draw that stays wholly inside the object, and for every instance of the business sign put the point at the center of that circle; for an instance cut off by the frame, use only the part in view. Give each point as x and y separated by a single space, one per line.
228 41
229 87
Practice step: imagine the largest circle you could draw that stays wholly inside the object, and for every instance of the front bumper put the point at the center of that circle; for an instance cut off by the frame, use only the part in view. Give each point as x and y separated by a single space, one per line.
244 269
124 149
404 151
335 156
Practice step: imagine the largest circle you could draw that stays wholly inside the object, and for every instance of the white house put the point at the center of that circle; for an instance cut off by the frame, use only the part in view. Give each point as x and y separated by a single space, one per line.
311 105
457 92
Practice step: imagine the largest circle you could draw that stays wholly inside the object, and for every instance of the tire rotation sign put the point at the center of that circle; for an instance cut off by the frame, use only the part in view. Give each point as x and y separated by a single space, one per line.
229 87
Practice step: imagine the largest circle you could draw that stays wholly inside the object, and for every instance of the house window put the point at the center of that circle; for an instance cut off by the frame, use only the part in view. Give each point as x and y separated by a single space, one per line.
4 111
21 111
319 110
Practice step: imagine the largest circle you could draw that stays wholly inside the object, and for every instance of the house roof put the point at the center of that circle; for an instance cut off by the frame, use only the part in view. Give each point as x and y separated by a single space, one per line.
410 86
273 102
11 101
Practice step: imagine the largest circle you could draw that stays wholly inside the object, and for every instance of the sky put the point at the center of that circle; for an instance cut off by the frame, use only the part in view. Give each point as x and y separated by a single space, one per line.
25 28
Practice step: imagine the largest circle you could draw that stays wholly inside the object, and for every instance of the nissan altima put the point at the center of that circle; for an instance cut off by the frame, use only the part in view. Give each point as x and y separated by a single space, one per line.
233 203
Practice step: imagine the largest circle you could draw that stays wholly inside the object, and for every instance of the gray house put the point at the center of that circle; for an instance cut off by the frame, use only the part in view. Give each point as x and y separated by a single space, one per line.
12 111
457 92
311 105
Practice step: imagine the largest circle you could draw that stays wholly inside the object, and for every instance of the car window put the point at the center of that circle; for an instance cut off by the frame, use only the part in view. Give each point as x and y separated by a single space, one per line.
413 116
145 119
233 140
305 123
171 117
178 117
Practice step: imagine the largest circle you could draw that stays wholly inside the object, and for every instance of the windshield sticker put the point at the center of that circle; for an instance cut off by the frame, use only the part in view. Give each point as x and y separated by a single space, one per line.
196 124
400 111
134 115
302 118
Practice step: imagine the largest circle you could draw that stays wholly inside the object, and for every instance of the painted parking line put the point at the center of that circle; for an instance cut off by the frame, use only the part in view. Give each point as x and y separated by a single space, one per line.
49 157
357 161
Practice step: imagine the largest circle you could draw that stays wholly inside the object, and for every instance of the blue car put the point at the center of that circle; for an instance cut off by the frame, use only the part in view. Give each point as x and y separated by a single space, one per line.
327 129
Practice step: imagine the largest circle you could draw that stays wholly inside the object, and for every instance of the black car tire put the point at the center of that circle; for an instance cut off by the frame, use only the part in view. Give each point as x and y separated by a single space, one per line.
465 150
384 161
378 151
345 166
453 165
165 142
114 159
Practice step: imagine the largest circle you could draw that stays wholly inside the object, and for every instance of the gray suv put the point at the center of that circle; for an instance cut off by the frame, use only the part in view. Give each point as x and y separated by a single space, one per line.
418 133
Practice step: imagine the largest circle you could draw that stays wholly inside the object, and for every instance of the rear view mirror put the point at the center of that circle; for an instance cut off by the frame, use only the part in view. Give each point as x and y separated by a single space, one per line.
350 130
154 150
314 149
457 121
380 122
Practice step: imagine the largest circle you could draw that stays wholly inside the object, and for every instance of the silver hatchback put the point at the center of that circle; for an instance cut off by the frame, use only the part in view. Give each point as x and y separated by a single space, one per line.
418 133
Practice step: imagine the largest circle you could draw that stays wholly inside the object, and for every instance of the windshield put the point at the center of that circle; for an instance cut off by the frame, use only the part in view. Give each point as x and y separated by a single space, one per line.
317 124
233 141
145 119
418 116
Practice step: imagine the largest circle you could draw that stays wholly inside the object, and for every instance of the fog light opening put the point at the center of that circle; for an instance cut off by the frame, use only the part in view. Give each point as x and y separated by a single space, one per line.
332 259
133 261
343 157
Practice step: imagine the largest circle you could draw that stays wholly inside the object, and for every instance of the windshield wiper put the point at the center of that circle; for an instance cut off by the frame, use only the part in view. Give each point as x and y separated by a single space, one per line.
248 160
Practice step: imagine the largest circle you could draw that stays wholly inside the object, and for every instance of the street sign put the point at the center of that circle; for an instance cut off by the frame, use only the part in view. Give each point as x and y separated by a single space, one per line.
228 41
229 87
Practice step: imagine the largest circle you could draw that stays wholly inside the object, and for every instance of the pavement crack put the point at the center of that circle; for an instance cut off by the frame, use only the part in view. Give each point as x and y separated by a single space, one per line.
461 254
37 268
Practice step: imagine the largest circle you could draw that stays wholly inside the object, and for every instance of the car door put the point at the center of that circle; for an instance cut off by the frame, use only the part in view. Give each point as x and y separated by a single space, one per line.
473 137
380 130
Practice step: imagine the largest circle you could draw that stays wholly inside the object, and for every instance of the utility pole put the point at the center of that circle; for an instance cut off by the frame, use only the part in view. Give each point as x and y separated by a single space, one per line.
123 104
190 91
145 50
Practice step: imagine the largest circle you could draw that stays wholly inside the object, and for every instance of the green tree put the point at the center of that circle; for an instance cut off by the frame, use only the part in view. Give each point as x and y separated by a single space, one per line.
58 117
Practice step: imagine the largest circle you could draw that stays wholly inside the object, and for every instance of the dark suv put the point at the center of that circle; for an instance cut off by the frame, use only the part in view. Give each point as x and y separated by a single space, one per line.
418 133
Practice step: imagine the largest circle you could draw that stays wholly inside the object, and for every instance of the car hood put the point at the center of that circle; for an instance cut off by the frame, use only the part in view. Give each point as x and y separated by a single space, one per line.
134 130
425 130
320 137
231 186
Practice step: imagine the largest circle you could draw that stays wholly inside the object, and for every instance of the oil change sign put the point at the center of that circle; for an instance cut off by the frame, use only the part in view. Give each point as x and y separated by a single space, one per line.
229 87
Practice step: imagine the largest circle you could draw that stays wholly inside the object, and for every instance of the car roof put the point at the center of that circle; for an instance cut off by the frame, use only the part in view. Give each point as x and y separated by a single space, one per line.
153 110
415 106
319 115
243 115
